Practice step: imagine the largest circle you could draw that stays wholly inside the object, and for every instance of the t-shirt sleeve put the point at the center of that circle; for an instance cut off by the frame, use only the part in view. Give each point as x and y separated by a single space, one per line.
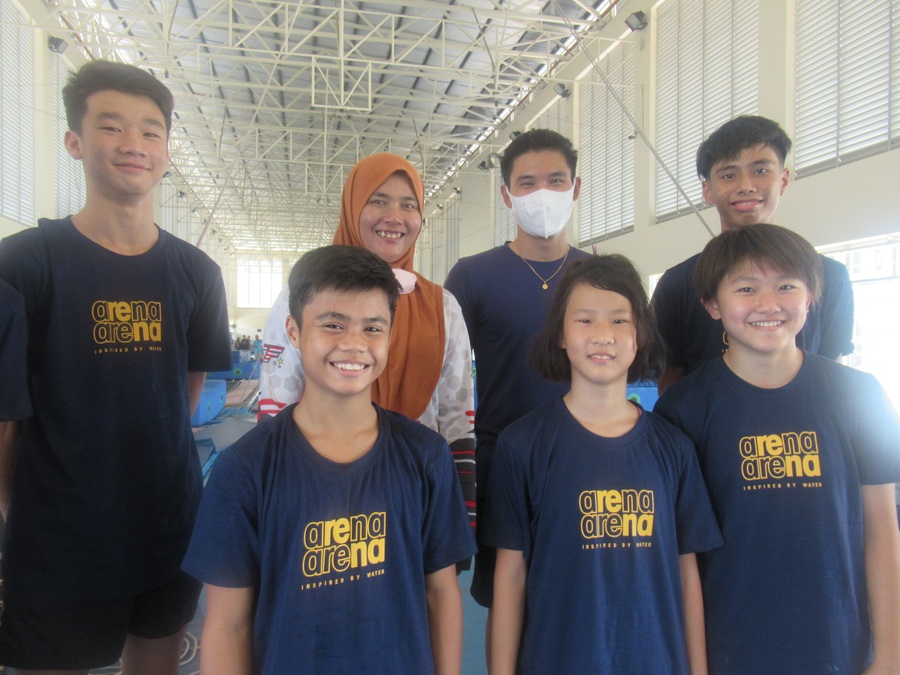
281 377
667 408
506 511
22 268
15 403
695 520
459 283
446 535
456 389
668 311
456 400
875 428
224 548
209 345
837 310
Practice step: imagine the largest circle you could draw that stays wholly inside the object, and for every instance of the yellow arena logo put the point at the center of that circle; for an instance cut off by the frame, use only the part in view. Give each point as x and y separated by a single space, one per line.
788 455
616 513
117 322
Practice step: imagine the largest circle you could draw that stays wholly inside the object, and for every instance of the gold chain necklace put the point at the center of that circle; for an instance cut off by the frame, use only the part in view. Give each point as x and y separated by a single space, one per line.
543 280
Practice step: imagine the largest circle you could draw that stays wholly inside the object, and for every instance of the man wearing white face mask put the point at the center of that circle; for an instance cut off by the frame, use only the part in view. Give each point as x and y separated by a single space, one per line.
505 294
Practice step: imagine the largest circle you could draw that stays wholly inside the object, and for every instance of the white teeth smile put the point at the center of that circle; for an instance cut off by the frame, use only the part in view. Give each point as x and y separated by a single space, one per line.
766 324
389 235
350 366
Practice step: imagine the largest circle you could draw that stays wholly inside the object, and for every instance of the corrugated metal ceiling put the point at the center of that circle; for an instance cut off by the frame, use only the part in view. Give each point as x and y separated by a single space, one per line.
275 101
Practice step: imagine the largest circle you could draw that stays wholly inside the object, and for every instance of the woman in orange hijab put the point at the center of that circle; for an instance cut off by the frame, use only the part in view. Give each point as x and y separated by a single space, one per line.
429 370
381 210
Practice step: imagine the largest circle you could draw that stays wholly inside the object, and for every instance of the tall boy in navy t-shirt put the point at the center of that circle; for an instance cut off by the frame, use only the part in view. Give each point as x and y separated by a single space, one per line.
328 537
800 455
124 321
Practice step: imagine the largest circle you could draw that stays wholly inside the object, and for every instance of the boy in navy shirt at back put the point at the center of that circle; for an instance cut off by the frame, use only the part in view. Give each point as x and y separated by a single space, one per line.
328 537
800 455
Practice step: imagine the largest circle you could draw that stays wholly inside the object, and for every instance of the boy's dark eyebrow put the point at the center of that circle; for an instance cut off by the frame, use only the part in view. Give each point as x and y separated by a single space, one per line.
116 117
733 165
343 317
554 174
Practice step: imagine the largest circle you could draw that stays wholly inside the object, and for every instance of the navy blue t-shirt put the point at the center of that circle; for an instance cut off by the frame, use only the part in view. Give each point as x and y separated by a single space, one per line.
601 523
107 476
338 553
787 592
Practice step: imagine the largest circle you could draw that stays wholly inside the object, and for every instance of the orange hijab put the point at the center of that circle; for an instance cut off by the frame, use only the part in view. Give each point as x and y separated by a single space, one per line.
416 354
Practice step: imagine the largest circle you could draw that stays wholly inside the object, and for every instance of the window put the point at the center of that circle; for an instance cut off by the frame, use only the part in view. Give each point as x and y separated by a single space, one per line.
175 214
848 81
437 248
16 117
874 267
554 118
452 254
706 73
70 187
428 244
606 154
259 282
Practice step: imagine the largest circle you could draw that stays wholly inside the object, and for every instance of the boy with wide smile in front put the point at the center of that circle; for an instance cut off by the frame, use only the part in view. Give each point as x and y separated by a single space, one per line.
344 520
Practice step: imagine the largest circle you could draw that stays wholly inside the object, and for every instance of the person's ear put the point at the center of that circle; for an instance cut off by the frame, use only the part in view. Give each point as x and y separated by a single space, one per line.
73 144
785 179
504 192
707 192
293 330
712 306
577 189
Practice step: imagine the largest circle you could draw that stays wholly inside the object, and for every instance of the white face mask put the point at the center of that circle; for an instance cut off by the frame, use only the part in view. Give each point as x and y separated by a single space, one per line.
543 213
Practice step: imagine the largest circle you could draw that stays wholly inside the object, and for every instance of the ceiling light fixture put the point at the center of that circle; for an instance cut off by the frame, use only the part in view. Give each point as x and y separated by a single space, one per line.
636 21
57 45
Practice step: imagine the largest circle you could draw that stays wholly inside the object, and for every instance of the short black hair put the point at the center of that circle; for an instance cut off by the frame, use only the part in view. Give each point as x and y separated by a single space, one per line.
102 75
761 244
735 136
339 268
536 140
610 272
